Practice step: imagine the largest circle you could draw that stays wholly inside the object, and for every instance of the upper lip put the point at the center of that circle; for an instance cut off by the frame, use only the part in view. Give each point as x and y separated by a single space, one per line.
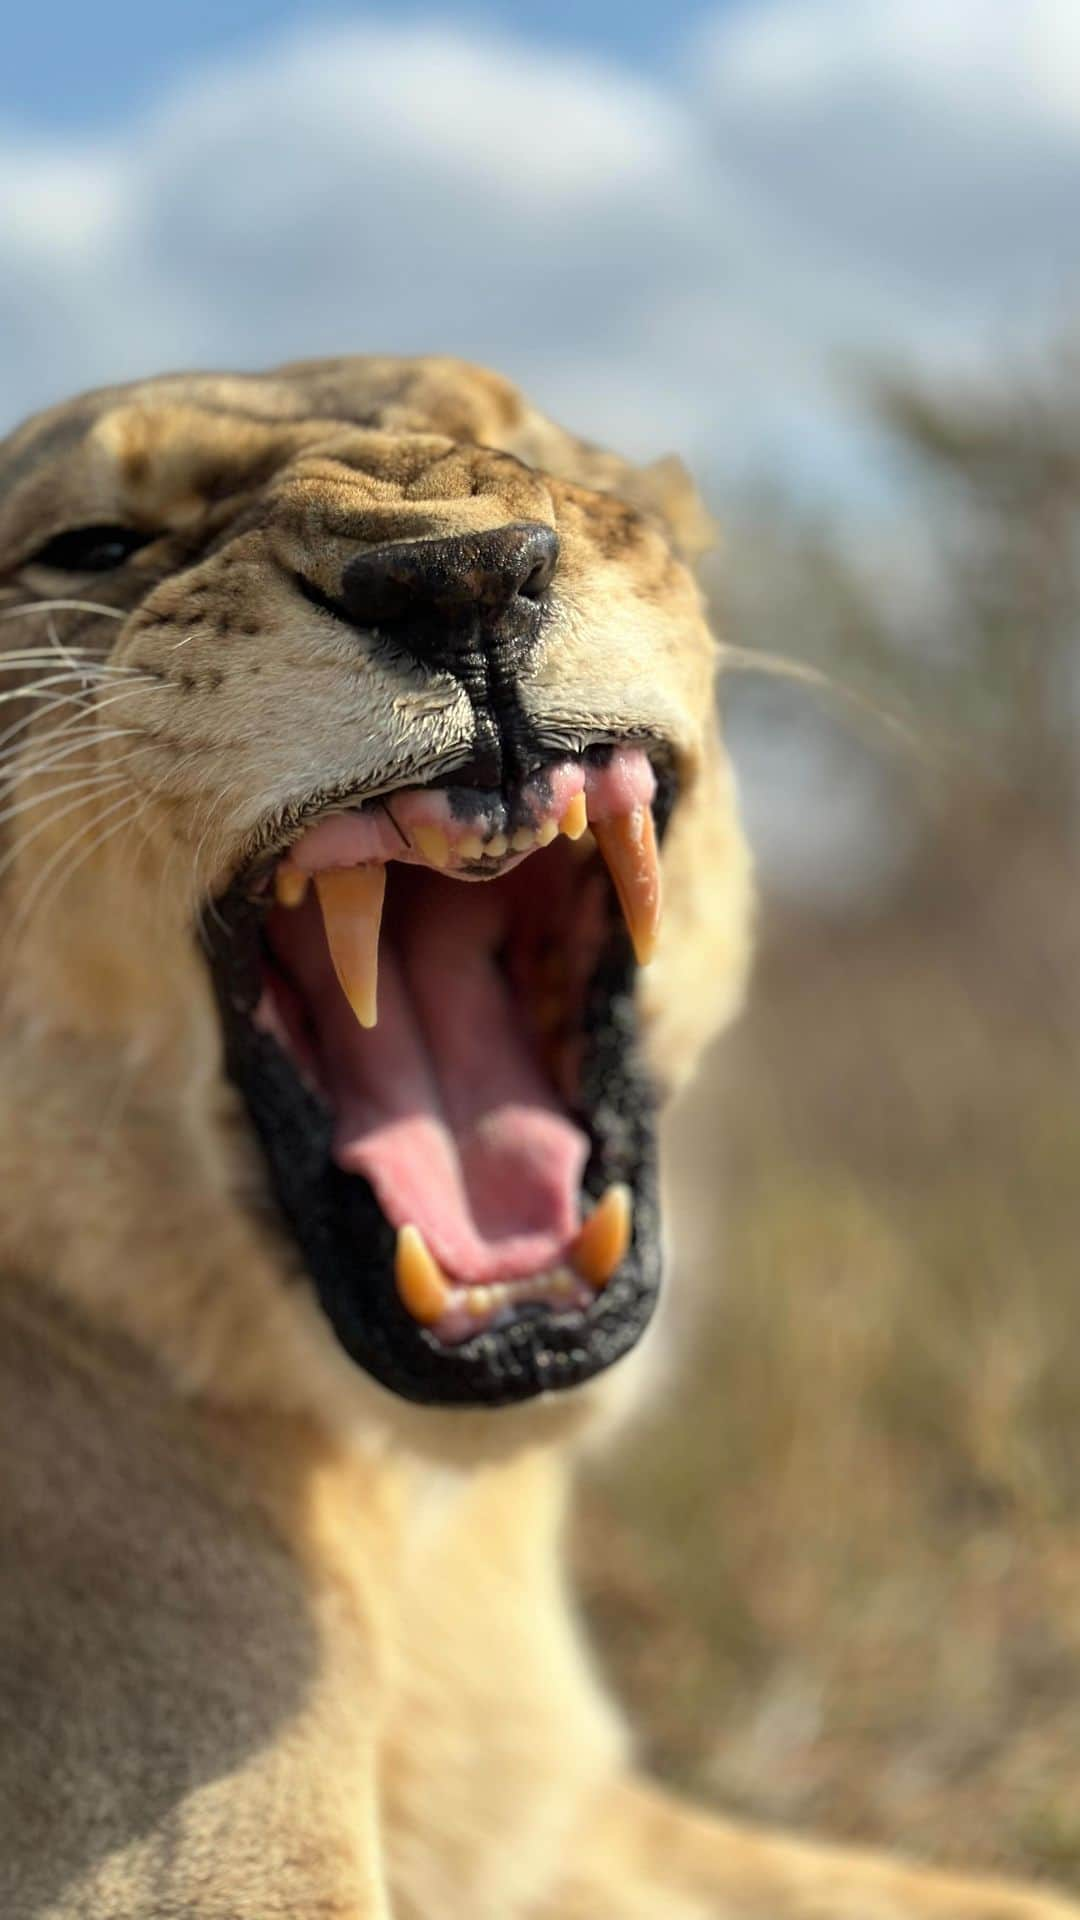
279 831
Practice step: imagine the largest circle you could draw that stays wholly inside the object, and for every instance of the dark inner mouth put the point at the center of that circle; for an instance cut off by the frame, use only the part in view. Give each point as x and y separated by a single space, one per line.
471 1180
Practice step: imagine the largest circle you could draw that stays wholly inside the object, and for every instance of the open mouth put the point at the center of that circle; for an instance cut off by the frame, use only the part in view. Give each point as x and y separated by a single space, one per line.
428 1003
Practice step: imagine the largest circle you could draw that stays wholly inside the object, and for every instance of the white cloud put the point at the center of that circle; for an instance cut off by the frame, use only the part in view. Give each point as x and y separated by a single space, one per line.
931 149
664 263
1017 59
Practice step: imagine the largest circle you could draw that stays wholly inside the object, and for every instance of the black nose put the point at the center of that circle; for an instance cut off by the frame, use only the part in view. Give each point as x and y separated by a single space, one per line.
466 574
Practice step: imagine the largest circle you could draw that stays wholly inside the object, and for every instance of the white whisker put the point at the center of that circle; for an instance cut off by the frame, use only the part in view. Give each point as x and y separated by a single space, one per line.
87 737
37 687
84 704
88 782
36 896
42 826
177 766
62 666
132 819
61 606
91 662
196 878
32 719
57 644
775 666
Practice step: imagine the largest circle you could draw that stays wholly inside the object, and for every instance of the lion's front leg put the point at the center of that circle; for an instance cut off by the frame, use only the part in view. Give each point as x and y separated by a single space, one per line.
643 1856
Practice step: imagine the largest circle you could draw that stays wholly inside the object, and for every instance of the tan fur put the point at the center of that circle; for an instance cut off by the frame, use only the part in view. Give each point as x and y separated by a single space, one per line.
273 1643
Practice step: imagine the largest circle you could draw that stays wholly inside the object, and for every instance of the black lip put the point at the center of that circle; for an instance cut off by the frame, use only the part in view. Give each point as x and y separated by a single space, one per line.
347 1243
278 831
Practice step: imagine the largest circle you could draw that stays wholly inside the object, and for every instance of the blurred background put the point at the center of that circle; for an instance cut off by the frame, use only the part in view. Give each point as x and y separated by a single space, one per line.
827 250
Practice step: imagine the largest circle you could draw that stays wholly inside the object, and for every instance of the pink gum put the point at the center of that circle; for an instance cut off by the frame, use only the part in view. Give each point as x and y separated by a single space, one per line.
384 831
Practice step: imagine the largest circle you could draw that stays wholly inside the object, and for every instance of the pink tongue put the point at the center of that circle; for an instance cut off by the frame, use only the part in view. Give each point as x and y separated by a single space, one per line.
442 1106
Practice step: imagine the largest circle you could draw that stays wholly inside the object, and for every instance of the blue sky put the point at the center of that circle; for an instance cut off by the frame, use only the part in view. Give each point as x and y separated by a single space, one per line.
72 65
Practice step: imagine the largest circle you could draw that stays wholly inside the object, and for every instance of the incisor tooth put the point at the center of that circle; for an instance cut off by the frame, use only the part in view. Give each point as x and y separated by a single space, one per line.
433 844
422 1286
290 886
602 1243
628 844
575 819
351 899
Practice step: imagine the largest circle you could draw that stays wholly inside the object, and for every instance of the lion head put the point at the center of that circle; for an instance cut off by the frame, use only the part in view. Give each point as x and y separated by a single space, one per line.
371 870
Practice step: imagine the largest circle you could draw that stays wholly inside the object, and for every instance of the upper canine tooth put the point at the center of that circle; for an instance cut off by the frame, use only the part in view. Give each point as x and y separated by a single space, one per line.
421 1283
351 899
290 885
628 844
601 1245
433 844
575 819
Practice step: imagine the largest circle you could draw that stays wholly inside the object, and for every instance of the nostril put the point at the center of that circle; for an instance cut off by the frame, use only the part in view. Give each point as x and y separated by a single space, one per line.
542 550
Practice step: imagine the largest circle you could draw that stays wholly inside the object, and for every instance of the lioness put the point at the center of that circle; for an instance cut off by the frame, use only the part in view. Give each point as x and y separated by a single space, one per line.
347 710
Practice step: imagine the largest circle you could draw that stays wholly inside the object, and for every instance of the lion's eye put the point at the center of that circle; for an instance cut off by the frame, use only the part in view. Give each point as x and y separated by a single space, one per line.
90 549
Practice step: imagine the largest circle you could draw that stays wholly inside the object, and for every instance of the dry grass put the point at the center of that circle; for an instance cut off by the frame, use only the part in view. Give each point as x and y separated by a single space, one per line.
838 1574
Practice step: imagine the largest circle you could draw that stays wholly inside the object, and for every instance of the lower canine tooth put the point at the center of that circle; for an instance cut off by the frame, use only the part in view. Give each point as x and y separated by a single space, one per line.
575 819
628 844
422 1286
601 1245
290 886
351 899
